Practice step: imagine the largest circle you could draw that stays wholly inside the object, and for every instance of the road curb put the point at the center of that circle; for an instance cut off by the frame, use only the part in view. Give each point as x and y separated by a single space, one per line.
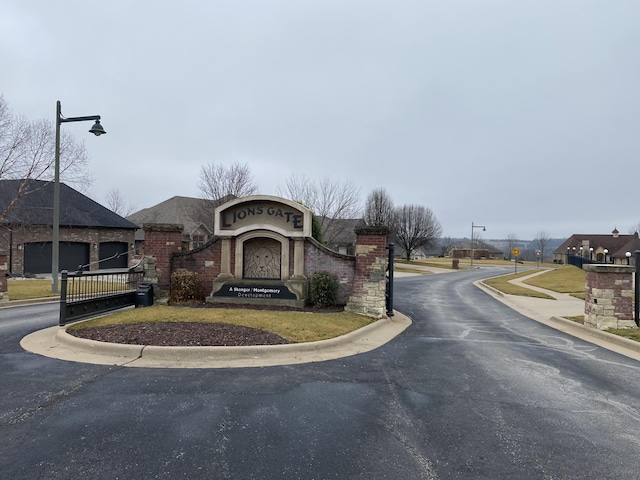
55 342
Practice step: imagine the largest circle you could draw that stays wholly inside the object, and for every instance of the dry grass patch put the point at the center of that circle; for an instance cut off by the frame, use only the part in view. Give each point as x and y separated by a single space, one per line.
27 288
294 326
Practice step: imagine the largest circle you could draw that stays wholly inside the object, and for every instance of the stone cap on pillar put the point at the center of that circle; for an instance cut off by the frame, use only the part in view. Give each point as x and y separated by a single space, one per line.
608 268
162 227
372 230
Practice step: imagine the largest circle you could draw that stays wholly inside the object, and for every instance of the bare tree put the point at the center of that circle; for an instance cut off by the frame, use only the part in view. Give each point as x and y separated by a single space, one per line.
117 204
218 181
415 226
330 200
511 243
378 209
446 244
541 241
27 152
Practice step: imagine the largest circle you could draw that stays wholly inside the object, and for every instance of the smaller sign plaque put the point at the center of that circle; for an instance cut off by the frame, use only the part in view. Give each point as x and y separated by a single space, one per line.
249 291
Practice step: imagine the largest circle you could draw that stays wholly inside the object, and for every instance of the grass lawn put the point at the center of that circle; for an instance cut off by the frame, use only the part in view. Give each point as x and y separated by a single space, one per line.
294 326
502 283
24 289
564 279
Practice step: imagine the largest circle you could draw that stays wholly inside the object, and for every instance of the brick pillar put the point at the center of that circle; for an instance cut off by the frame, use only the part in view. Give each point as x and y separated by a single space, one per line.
368 292
608 300
161 241
4 269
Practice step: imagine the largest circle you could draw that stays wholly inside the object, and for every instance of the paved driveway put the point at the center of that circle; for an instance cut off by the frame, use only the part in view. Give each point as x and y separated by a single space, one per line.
471 390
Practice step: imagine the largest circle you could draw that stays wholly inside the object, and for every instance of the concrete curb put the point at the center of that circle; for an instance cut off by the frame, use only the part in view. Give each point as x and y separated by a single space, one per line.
55 342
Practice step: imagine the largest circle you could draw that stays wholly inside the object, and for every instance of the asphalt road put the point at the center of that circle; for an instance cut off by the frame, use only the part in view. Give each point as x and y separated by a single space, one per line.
472 390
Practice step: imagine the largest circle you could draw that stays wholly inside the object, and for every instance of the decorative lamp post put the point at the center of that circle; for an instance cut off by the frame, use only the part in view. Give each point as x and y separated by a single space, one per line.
606 251
628 255
97 130
591 253
484 229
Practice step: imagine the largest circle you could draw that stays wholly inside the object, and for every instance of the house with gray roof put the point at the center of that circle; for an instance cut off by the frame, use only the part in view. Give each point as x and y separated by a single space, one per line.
598 248
194 214
89 232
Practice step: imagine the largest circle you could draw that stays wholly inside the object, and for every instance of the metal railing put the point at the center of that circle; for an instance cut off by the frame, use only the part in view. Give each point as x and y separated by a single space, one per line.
83 294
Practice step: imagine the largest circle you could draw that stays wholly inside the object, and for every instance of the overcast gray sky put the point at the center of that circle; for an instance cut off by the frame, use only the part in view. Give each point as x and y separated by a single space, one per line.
520 115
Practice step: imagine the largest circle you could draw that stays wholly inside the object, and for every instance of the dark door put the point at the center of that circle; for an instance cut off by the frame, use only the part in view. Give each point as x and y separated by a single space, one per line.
116 253
37 256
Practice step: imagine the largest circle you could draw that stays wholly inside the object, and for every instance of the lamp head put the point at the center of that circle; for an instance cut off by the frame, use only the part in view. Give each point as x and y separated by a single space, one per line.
97 129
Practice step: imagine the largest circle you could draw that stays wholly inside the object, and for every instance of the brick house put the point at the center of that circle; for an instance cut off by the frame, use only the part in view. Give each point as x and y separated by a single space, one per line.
89 232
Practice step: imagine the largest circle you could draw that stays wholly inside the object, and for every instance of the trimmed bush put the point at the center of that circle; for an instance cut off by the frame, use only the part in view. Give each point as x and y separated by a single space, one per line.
324 289
185 287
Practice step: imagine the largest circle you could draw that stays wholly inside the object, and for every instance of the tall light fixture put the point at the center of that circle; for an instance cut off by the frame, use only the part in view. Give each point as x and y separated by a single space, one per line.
484 229
97 130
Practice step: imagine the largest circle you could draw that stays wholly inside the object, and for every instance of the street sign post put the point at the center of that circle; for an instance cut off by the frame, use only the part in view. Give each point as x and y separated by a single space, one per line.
516 252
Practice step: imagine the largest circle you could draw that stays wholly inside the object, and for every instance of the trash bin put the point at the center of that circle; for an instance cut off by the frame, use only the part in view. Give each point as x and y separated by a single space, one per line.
455 263
144 295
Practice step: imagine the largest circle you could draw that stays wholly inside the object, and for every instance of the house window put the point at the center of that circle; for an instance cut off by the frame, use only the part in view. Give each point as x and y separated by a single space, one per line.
198 241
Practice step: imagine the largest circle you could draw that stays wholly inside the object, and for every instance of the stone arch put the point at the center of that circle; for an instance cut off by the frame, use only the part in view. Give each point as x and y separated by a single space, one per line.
251 237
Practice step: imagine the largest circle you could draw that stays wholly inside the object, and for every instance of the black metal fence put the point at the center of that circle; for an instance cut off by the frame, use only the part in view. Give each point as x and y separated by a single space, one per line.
578 260
83 294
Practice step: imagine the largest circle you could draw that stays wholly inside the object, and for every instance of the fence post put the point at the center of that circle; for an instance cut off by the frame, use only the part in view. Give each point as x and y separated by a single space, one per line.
63 298
390 269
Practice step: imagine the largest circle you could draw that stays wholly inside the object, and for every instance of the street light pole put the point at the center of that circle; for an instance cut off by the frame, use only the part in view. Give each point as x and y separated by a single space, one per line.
472 227
97 130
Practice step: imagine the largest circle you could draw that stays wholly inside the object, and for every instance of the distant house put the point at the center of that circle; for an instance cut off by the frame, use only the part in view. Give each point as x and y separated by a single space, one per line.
611 248
339 234
194 214
481 250
89 232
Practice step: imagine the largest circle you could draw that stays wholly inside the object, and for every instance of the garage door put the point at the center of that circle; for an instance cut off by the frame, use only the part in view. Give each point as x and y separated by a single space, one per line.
37 256
112 249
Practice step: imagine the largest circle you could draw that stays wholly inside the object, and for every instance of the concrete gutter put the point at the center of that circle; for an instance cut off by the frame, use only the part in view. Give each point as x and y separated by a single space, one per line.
55 342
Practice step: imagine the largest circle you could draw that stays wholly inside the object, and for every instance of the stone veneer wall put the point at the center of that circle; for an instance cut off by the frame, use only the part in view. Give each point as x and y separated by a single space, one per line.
608 300
4 269
368 293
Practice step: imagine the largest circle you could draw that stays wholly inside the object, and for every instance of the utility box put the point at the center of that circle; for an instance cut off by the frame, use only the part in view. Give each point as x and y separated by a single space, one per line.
144 295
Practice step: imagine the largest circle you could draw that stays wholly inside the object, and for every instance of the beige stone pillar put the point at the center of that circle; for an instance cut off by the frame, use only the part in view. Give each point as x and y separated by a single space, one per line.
298 258
225 258
608 296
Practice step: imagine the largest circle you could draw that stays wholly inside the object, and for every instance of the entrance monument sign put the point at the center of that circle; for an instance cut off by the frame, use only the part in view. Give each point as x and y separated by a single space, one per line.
262 257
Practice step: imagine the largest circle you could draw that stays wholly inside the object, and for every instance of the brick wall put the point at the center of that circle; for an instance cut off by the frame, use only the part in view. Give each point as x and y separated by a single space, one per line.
608 300
362 278
319 258
161 241
205 261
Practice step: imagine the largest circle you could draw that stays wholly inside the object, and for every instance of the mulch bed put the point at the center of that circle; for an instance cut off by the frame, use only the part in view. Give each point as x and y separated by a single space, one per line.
180 334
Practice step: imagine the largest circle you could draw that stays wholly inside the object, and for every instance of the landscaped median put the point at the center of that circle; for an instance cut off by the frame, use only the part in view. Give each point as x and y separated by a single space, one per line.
55 342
